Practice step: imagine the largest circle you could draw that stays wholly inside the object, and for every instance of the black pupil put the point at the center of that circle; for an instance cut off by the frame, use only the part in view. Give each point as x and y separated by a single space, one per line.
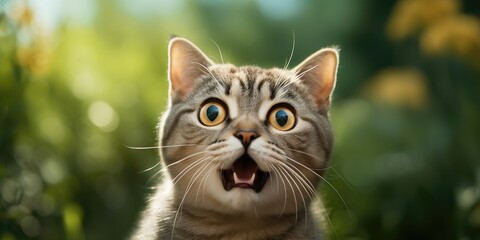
212 112
281 117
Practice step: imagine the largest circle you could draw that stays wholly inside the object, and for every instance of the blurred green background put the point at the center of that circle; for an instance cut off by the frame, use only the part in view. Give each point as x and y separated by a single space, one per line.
81 80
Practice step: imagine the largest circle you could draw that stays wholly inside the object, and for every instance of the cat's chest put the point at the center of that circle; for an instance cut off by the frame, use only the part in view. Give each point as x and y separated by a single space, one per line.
196 227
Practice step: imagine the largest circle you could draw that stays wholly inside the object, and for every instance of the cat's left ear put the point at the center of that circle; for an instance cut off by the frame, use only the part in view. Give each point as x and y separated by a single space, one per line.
319 73
186 63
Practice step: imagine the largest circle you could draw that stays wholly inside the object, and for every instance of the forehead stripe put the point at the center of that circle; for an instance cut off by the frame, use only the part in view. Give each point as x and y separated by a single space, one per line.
228 87
251 83
260 84
273 91
242 84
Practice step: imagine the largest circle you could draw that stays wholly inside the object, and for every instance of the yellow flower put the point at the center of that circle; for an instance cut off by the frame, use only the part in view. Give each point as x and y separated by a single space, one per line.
401 87
20 12
458 35
32 44
35 56
410 16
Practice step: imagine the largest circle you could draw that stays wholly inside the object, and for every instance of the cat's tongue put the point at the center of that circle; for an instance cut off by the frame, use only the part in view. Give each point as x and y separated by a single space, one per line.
244 171
241 181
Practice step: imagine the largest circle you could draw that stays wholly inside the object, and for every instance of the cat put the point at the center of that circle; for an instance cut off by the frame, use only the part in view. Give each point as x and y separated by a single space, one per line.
243 149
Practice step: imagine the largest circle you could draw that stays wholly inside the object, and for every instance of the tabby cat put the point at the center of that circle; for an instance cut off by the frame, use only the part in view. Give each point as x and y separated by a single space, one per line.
243 149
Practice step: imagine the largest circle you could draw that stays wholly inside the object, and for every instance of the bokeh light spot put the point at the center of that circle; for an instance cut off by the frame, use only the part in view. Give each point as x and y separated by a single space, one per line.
30 226
52 172
11 191
102 115
31 183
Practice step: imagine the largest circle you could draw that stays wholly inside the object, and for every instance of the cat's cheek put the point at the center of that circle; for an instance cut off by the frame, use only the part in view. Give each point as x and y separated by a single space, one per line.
261 154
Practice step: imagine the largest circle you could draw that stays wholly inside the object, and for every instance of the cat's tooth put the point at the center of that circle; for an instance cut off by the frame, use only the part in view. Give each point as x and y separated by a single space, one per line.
235 178
252 178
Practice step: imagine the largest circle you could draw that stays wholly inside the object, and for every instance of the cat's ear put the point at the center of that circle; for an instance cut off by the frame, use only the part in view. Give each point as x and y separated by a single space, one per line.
319 73
186 63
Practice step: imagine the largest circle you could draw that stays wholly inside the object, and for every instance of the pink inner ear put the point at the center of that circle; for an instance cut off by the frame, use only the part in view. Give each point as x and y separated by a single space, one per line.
318 72
185 60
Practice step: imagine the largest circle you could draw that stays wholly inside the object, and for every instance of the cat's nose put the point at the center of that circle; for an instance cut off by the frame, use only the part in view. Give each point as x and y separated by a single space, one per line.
246 137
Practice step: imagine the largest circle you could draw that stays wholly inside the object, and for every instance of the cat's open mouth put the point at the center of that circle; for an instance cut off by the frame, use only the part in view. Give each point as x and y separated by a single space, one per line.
244 174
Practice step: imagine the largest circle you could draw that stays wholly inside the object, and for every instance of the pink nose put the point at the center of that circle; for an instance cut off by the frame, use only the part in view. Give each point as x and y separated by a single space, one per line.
246 137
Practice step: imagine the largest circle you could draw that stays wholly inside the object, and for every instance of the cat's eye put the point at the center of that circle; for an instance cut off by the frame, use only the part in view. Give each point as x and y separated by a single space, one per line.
282 118
212 113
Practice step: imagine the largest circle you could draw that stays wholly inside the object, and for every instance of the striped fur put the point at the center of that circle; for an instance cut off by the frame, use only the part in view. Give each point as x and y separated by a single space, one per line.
190 202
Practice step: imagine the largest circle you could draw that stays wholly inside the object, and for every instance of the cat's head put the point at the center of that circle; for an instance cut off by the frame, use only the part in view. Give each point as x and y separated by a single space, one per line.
246 140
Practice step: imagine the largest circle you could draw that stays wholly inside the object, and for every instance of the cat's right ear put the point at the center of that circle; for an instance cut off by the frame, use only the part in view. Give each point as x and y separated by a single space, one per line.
186 63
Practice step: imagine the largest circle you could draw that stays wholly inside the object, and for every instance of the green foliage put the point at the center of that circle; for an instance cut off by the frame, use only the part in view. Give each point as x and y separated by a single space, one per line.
406 161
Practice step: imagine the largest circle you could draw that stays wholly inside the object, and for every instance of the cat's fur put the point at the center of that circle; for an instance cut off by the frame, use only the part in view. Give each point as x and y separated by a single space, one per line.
191 202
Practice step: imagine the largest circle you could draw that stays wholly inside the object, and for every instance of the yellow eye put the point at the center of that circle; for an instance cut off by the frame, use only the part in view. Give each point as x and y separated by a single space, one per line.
212 113
282 118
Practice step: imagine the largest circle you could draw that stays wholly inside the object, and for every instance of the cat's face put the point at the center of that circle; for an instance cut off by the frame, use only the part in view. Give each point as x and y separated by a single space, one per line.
246 140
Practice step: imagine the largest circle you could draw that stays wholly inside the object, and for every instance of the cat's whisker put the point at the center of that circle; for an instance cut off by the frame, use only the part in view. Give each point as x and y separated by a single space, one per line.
285 198
187 169
293 192
204 178
205 182
182 173
141 148
344 180
271 182
194 178
308 154
196 175
184 159
189 186
290 82
166 146
285 80
305 183
304 180
154 175
284 188
326 181
300 75
219 50
329 220
207 71
164 168
291 53
150 168
313 156
289 170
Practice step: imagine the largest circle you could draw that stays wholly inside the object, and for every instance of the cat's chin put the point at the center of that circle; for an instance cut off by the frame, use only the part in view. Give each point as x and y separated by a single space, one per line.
244 174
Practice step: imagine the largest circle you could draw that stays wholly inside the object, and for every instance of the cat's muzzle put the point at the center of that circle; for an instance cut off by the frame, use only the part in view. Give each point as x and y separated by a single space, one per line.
244 174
